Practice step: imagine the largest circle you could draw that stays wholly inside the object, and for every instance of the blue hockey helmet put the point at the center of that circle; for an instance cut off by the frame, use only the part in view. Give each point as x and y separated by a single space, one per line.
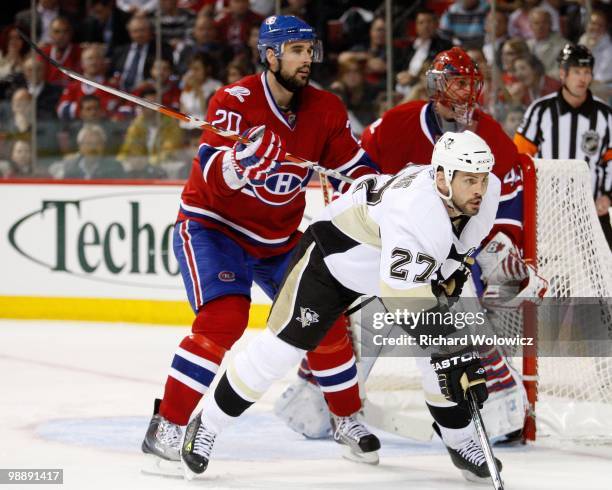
277 30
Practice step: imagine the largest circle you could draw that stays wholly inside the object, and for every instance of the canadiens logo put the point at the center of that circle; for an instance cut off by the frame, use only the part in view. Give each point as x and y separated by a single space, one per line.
239 92
590 142
284 185
494 247
227 276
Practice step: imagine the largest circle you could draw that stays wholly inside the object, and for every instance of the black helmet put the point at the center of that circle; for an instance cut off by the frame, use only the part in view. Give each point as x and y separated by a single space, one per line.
575 55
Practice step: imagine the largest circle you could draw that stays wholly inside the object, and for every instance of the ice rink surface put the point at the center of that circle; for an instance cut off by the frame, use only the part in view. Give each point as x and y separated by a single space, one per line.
78 396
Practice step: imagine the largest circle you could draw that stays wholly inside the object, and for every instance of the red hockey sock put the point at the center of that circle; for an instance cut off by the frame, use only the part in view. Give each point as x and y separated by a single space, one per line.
217 326
333 366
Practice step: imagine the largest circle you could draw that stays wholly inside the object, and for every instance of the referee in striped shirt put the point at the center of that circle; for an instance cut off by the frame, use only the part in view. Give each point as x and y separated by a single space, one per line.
571 123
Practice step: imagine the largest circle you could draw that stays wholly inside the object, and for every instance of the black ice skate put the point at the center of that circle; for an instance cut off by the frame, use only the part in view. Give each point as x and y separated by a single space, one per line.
163 441
470 459
361 444
196 449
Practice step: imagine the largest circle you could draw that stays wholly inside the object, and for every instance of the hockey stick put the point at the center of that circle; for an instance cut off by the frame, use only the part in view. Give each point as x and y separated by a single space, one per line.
193 121
484 442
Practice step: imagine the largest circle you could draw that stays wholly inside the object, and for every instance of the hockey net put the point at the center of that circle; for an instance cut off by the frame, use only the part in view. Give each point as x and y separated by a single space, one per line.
570 397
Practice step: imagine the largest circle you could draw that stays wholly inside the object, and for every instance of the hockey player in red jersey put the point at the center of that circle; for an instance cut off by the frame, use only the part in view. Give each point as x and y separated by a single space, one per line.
238 219
454 83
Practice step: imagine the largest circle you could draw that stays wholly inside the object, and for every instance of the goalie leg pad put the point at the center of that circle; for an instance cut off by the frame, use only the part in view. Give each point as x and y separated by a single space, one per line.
302 407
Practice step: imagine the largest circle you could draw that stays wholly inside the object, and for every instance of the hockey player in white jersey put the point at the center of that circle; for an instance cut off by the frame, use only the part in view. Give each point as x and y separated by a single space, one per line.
385 237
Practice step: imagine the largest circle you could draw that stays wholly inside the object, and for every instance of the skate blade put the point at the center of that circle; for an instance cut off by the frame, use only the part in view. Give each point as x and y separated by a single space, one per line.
188 474
162 467
471 477
359 457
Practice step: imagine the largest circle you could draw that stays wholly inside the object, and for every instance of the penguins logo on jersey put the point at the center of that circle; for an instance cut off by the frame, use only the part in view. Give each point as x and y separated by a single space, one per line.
284 185
307 317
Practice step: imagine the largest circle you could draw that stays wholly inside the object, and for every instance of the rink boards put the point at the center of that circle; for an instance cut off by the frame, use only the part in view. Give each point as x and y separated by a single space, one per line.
97 251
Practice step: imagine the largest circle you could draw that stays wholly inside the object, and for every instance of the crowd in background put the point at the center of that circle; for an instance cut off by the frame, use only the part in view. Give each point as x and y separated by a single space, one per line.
179 52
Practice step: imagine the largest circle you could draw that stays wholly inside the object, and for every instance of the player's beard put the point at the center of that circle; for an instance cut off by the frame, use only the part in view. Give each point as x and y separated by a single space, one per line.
290 83
463 209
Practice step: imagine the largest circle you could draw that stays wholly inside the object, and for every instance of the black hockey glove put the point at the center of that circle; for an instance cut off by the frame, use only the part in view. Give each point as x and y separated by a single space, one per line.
458 373
453 286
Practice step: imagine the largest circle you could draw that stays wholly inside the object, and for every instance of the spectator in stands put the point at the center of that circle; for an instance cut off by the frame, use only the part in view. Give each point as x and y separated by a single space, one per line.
518 22
198 87
17 124
90 111
90 162
138 7
236 70
13 52
131 63
512 119
493 96
204 7
422 50
512 49
545 44
63 50
92 62
532 82
19 163
203 40
46 94
138 167
463 22
106 24
372 55
175 22
161 141
597 39
234 26
161 76
47 11
496 28
357 94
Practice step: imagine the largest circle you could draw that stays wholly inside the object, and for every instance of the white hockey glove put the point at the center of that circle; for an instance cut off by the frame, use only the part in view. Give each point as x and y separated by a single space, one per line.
260 158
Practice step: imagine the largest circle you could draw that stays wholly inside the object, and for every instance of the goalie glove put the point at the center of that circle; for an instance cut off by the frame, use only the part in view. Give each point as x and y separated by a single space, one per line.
458 373
255 161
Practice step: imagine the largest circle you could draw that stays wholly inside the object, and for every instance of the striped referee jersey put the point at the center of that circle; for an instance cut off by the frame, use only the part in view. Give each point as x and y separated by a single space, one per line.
553 129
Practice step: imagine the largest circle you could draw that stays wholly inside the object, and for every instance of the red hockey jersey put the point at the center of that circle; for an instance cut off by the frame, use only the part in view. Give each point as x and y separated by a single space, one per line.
68 106
407 133
264 219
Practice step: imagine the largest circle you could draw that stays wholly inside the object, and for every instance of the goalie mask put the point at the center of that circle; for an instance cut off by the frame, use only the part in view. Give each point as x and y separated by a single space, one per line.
465 151
455 81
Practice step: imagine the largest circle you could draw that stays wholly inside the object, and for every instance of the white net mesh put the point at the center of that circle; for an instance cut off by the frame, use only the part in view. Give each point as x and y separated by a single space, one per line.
574 394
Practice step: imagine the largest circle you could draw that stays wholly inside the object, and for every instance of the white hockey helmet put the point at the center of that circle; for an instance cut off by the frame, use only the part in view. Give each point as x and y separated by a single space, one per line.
465 151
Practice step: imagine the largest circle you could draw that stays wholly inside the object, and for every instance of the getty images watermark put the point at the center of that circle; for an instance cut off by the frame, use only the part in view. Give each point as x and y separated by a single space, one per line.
408 320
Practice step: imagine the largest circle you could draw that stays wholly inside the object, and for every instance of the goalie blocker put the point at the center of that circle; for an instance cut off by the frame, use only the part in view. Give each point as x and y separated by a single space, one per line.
385 237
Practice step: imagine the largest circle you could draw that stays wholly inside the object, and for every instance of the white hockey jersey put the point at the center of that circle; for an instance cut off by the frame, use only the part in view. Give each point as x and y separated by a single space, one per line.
398 233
